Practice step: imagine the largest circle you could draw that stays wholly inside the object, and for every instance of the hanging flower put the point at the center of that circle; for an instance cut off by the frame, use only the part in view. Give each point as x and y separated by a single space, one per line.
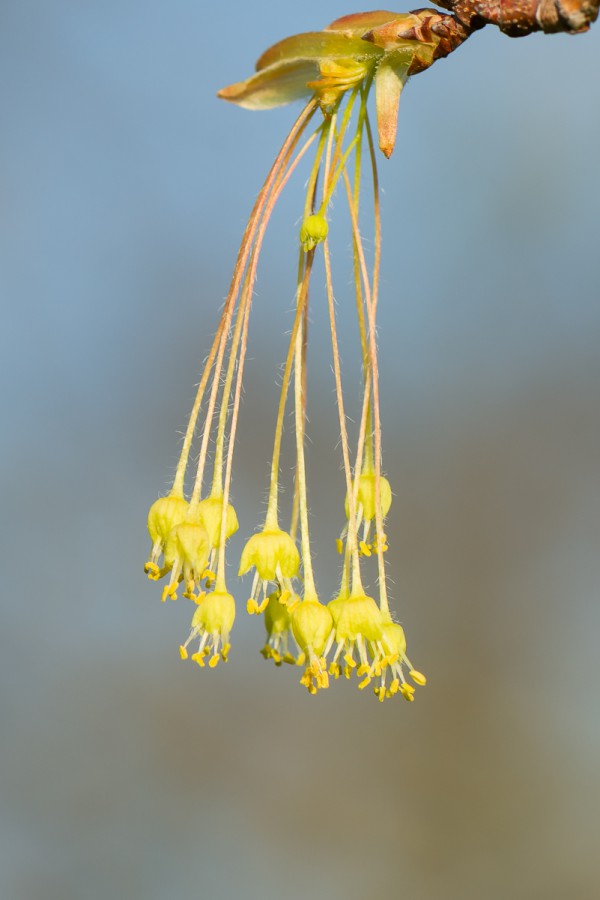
274 556
164 514
312 627
278 623
211 625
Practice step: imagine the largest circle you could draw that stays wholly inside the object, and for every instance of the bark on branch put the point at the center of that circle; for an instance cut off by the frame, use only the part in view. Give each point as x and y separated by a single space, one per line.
515 18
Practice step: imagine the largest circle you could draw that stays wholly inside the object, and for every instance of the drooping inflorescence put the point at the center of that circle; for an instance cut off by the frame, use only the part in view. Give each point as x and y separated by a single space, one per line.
354 634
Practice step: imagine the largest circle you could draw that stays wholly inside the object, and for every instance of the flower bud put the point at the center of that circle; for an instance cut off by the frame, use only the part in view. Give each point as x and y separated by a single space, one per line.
314 230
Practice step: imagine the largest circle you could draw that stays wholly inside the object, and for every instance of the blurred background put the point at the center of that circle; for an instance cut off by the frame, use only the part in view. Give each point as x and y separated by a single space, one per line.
124 186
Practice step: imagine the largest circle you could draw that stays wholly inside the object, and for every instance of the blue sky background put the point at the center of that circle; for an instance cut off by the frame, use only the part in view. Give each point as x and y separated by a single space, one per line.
124 187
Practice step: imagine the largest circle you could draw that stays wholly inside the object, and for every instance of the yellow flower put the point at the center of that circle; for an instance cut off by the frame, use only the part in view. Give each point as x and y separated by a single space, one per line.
365 511
186 554
312 627
211 513
211 623
394 643
275 557
357 625
278 624
164 514
366 497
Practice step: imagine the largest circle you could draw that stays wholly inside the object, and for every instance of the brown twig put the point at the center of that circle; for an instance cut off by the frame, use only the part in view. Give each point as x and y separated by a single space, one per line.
515 18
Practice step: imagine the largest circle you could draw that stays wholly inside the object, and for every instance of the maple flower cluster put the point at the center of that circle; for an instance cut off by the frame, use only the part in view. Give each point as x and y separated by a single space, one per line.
353 634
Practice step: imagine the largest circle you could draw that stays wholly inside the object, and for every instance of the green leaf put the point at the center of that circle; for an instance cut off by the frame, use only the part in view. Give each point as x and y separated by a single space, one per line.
284 70
318 45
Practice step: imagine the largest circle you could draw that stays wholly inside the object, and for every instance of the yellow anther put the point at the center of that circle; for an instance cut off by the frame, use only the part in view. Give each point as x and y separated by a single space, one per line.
339 546
381 695
199 658
225 652
277 659
288 658
364 683
262 606
190 595
375 548
363 669
407 692
183 652
349 661
209 578
301 659
417 677
394 686
251 607
214 660
169 590
152 571
334 670
347 671
284 597
200 597
376 545
311 688
364 548
322 679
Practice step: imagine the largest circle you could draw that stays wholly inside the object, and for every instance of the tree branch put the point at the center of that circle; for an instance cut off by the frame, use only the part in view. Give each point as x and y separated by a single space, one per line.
515 18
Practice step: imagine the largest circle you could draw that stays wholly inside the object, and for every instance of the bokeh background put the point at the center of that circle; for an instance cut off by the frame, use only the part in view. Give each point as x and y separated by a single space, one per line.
124 189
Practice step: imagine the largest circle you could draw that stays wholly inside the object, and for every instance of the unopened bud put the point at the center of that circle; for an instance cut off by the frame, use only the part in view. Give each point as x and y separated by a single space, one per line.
314 230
